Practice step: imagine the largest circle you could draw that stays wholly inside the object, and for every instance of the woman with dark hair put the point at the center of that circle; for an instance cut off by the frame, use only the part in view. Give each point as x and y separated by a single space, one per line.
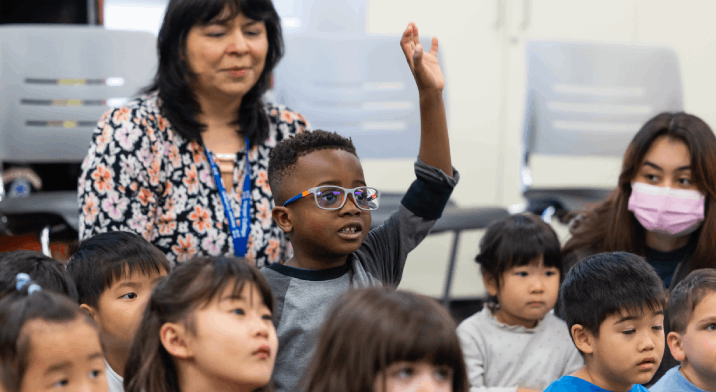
172 165
662 208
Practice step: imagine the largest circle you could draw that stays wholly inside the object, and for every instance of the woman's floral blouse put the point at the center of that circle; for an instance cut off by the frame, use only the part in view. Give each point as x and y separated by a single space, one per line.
142 177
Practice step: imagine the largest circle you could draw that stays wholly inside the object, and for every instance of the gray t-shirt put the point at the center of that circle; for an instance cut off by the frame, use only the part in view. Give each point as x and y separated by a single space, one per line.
304 296
501 358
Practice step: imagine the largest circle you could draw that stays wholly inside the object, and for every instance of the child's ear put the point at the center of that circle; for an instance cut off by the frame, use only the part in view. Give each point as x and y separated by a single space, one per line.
583 339
90 311
282 218
673 339
174 339
490 284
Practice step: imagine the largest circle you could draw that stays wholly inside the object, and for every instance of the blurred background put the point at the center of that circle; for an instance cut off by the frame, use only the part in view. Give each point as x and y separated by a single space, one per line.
484 53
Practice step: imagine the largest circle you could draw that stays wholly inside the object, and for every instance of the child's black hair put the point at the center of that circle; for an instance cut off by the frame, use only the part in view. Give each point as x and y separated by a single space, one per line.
609 283
286 153
187 288
47 272
17 309
102 260
516 241
687 295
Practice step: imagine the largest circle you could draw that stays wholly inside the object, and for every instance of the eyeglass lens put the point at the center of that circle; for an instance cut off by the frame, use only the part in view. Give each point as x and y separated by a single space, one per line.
332 198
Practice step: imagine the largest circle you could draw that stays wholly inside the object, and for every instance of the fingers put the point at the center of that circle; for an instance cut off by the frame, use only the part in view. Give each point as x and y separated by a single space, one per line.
434 47
416 36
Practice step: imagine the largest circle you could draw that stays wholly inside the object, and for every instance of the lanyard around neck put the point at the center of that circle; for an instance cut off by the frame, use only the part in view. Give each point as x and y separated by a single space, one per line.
240 233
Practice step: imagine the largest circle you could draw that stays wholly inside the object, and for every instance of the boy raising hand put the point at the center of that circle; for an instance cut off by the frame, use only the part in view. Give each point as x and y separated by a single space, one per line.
324 205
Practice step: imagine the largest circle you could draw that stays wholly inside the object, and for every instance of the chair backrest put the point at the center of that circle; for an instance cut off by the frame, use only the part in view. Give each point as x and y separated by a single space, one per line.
56 81
356 84
589 99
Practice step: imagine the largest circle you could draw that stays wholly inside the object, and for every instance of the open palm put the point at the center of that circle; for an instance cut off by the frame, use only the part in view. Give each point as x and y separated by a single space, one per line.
424 66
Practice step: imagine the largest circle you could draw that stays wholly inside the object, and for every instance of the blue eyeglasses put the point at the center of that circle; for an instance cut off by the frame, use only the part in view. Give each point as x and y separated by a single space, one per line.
331 197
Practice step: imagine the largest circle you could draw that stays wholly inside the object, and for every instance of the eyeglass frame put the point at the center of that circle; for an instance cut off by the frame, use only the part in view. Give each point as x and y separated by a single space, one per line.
346 190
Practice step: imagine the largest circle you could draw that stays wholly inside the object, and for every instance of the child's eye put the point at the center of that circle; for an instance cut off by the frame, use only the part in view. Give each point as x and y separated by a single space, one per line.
61 383
129 296
629 332
444 374
95 373
405 372
521 274
240 312
651 177
711 327
657 327
267 317
252 33
550 273
685 181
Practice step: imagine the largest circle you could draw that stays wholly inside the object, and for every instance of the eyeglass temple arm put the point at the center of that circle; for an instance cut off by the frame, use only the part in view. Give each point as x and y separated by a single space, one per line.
302 195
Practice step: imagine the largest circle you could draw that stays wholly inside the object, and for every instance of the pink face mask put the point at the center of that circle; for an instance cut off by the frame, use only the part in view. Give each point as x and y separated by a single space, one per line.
675 212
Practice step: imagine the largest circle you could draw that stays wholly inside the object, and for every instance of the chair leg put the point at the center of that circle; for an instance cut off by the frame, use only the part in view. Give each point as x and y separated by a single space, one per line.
45 241
450 270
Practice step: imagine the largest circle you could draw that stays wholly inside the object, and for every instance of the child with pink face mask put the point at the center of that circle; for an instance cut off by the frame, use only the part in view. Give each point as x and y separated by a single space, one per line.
661 207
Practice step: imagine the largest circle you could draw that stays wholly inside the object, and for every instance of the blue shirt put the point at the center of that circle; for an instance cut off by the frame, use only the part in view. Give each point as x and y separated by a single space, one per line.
674 381
574 384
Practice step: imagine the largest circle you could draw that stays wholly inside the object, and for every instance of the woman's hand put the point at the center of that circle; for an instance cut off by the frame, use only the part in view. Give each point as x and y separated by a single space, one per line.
424 66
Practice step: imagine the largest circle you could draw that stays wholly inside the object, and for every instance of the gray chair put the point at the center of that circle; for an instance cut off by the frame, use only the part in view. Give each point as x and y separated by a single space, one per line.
56 81
589 99
356 84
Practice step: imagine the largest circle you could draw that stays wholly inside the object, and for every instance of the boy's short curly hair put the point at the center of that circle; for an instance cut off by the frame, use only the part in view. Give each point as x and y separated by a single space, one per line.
687 295
284 156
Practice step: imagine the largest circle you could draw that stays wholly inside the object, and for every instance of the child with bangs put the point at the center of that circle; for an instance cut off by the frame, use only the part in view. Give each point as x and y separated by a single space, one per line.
515 343
613 304
46 342
382 340
324 205
207 327
115 273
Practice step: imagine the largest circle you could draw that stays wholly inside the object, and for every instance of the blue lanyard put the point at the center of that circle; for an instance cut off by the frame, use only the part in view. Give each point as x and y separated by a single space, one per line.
239 234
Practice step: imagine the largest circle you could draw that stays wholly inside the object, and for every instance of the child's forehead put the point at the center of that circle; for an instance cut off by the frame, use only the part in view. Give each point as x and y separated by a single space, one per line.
635 314
328 165
137 276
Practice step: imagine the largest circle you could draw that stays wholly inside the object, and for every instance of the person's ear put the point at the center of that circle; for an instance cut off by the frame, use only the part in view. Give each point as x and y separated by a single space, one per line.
583 339
90 311
490 284
283 218
174 338
675 342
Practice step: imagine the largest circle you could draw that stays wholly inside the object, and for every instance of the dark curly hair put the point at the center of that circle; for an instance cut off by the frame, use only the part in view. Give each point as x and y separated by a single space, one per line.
284 156
172 81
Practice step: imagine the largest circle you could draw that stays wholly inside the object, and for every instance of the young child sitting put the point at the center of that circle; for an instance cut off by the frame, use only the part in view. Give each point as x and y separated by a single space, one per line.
115 273
381 340
692 340
207 327
515 343
323 204
46 342
49 273
613 304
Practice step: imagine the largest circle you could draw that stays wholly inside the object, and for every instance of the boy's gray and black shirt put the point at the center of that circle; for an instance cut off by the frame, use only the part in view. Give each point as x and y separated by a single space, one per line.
304 296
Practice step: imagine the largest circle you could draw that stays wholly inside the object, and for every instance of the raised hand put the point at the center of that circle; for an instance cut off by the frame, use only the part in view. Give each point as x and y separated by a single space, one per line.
424 66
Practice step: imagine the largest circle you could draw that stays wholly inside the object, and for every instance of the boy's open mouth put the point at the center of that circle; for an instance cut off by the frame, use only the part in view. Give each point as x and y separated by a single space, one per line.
351 228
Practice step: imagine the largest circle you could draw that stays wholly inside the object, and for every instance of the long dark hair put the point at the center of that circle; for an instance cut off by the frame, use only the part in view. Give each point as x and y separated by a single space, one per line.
516 241
172 81
611 227
189 286
367 330
17 309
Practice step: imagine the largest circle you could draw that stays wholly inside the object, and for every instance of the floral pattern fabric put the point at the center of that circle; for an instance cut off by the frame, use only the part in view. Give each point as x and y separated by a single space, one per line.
141 176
